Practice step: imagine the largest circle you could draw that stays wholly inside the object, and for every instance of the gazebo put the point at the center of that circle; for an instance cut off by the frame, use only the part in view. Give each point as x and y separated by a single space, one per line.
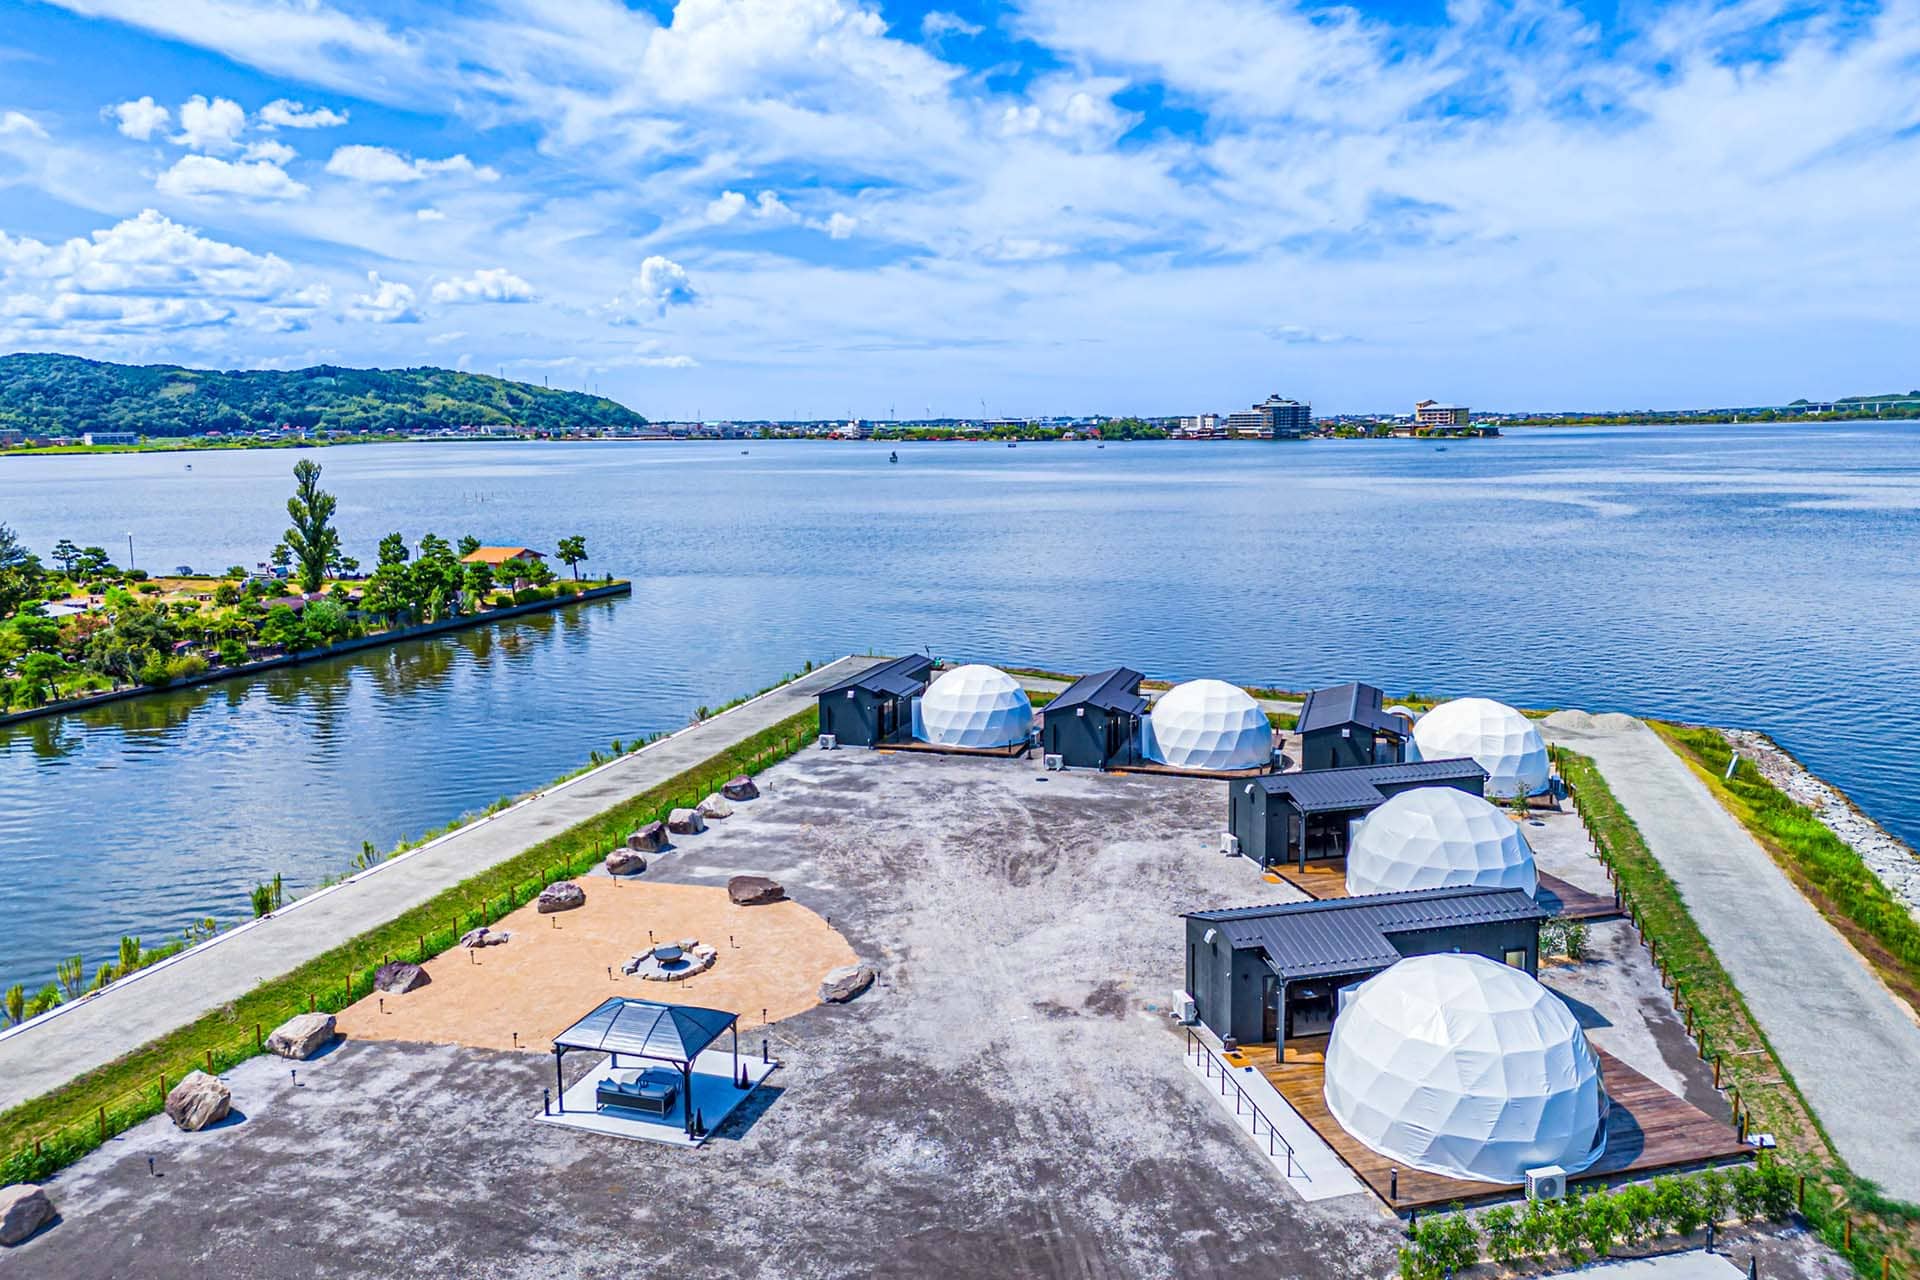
672 1033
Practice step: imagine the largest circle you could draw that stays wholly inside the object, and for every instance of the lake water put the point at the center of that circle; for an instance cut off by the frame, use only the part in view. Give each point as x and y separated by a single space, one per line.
1758 576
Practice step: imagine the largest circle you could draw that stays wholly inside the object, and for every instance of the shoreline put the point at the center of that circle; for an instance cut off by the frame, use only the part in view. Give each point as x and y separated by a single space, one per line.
425 630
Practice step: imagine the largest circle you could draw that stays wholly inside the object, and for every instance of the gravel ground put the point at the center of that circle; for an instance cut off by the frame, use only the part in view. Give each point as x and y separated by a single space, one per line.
1010 1100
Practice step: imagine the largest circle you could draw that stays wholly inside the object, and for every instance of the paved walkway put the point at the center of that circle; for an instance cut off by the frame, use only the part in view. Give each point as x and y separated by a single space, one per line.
1851 1046
95 1030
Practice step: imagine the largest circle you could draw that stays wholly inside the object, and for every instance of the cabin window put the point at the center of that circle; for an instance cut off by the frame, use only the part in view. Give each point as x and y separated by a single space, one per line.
1517 957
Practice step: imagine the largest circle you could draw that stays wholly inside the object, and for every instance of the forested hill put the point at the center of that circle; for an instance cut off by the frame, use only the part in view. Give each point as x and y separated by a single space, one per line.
66 395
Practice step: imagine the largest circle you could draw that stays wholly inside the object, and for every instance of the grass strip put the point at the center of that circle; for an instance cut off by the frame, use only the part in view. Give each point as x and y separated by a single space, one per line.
1834 877
1877 1235
46 1133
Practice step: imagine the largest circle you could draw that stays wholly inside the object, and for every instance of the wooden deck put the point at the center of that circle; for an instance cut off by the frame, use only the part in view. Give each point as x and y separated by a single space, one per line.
1013 752
1172 771
1325 878
1648 1129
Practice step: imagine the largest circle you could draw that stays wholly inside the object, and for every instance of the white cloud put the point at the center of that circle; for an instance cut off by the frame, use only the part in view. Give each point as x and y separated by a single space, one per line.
839 226
201 177
19 123
429 214
210 125
271 151
282 114
385 166
666 362
663 283
142 277
385 302
938 22
488 284
766 207
142 118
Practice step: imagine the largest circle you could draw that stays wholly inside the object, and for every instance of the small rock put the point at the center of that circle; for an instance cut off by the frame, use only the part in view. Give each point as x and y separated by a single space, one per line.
716 806
686 822
740 788
198 1101
24 1209
485 937
754 891
651 838
844 983
564 895
625 862
398 978
301 1036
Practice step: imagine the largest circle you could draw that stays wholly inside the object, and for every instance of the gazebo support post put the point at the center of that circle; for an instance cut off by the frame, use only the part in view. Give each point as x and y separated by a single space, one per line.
686 1096
559 1078
736 1051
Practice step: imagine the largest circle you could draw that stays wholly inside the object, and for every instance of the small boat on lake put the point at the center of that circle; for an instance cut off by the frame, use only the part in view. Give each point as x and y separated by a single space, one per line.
893 457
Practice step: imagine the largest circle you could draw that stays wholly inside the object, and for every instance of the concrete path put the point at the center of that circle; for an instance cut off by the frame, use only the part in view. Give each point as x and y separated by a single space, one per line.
1850 1044
50 1050
1314 1171
1041 684
1694 1265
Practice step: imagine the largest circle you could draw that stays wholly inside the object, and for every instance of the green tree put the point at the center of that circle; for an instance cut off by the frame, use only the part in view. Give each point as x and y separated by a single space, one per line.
393 550
13 553
468 545
281 556
284 628
311 537
572 551
480 581
39 679
66 554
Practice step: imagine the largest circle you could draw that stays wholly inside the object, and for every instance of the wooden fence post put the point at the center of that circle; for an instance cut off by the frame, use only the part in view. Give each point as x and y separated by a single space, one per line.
103 1124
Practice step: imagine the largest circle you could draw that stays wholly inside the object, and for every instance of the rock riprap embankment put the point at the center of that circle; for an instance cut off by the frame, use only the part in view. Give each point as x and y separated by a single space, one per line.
1890 859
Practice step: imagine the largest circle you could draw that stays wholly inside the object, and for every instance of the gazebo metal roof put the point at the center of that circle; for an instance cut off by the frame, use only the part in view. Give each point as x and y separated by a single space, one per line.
647 1029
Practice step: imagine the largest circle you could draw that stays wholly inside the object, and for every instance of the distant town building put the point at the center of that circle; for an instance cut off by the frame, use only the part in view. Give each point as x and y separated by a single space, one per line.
1431 413
109 437
8 439
1275 418
1200 425
855 429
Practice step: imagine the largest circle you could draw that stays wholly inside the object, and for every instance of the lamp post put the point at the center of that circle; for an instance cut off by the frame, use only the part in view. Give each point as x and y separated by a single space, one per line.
129 548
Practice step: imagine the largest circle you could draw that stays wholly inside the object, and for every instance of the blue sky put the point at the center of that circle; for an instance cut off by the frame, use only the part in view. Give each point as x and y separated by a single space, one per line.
819 207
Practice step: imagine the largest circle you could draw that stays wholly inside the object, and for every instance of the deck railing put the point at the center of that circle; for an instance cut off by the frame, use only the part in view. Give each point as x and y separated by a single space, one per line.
1210 1065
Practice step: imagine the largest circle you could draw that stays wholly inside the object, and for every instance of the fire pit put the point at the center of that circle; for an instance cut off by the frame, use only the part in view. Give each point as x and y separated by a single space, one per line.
672 961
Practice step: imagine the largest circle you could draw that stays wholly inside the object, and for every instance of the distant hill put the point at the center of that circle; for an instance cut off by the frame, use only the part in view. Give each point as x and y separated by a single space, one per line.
67 395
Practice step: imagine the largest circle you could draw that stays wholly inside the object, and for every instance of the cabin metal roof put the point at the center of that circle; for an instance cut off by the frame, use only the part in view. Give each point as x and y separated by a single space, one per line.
1358 786
902 677
1341 705
1355 935
1117 689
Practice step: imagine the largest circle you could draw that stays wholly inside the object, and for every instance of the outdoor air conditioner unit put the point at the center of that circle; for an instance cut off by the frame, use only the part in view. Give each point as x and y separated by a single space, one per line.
1185 1009
1548 1182
829 742
1230 844
1054 763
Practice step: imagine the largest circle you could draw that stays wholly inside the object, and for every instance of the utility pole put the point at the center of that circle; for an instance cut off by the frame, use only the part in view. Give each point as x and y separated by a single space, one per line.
129 548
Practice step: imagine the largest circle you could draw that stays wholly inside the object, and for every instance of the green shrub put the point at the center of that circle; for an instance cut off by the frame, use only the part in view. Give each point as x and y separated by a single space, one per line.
186 666
1504 1240
148 588
136 575
1681 1207
232 652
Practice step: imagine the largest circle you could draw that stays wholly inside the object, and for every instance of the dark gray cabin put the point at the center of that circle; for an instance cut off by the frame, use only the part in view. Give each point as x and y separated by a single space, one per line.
1255 971
1095 723
1345 726
1291 817
876 706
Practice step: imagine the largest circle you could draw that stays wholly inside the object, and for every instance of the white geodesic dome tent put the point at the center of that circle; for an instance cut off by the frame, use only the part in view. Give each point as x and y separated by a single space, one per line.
1208 724
974 706
1434 837
1460 1065
1500 739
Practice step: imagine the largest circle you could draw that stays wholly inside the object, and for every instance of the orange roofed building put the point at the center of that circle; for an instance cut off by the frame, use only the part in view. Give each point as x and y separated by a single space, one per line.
500 555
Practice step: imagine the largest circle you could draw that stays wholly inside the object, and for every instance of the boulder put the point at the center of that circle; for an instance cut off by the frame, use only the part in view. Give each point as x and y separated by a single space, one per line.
686 822
844 983
562 896
625 862
24 1209
485 937
716 806
651 838
754 891
398 978
740 788
301 1036
198 1101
